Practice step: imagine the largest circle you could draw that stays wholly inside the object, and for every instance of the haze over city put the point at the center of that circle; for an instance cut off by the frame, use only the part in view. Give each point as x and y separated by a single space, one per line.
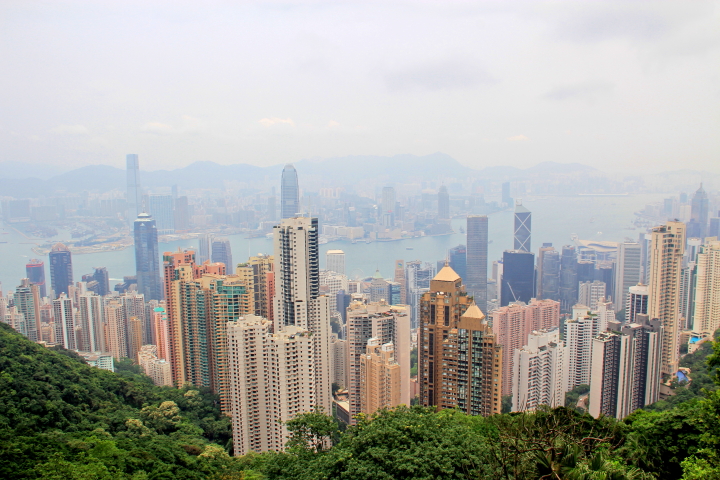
310 240
622 86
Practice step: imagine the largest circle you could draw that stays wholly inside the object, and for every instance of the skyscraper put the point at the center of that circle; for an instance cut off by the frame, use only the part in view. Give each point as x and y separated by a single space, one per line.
539 372
443 203
61 274
666 256
568 278
546 247
513 323
387 207
518 277
506 198
147 258
379 377
457 258
706 318
523 224
460 360
698 214
335 261
203 252
161 207
636 302
550 277
64 322
289 192
578 334
297 295
590 293
271 380
222 253
625 370
134 192
628 269
477 259
401 280
35 270
27 301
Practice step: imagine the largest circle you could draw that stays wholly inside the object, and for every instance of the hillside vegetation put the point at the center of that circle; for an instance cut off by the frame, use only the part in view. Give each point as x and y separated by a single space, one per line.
61 419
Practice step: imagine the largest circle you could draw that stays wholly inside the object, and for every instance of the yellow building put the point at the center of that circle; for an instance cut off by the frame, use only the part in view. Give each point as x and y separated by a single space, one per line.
379 378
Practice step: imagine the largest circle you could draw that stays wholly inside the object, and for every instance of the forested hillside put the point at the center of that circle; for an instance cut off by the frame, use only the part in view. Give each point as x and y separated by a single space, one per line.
61 419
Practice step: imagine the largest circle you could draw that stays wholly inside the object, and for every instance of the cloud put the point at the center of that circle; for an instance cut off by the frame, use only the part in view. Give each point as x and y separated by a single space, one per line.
269 122
157 128
333 123
584 90
518 138
440 75
70 130
608 21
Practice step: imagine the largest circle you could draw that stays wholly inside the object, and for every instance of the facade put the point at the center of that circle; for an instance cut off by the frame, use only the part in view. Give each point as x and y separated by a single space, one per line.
539 375
340 356
460 360
379 377
625 371
157 369
134 192
443 203
706 318
61 274
387 207
628 270
35 270
297 295
271 380
64 322
666 256
387 324
147 258
591 293
546 247
91 319
568 287
115 329
518 277
401 280
579 332
636 302
203 252
162 209
289 193
457 259
697 227
477 259
335 261
550 275
514 323
523 228
418 276
27 301
222 253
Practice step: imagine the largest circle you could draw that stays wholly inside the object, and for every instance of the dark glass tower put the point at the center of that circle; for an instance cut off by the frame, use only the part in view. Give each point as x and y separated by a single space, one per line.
457 257
443 203
699 211
35 270
289 192
134 193
222 253
518 278
147 258
477 259
551 275
61 274
523 223
568 278
103 278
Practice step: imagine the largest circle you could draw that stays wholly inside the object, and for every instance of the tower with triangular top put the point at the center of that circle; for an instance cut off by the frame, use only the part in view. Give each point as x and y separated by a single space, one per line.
460 362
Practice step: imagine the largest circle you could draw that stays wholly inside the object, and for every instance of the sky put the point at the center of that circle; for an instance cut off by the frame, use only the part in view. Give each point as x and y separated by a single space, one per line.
622 86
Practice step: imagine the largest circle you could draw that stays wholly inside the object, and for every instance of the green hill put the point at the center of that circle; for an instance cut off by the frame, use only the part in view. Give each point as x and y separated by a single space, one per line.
61 419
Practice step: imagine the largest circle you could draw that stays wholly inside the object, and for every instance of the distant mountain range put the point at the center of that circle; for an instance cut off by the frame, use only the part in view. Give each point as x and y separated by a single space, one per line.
26 180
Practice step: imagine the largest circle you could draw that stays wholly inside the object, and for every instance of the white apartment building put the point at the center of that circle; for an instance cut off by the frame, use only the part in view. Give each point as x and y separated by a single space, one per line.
540 372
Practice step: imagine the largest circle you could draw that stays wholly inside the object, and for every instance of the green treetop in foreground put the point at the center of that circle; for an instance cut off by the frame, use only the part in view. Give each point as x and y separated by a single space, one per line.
61 419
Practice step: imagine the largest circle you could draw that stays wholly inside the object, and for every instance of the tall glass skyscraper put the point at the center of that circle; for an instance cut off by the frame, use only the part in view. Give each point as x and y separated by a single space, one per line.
523 223
147 259
443 202
222 253
161 207
61 274
698 214
477 259
518 277
134 192
35 270
289 192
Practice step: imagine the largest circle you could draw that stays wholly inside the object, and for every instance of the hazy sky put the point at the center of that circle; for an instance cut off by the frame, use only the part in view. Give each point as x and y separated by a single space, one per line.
611 84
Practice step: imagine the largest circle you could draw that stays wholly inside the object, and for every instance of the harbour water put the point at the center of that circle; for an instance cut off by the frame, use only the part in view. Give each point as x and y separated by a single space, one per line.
554 220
